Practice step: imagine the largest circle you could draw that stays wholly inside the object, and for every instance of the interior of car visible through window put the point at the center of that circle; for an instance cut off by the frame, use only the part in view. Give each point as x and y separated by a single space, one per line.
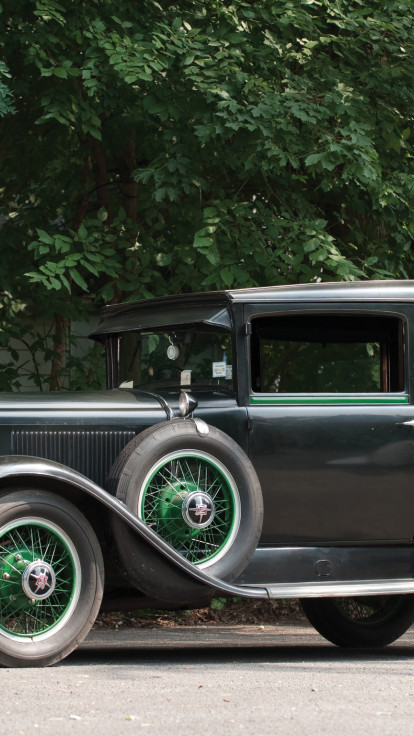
327 353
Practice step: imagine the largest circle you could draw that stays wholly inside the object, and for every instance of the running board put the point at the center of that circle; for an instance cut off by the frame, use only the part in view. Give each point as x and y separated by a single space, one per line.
349 588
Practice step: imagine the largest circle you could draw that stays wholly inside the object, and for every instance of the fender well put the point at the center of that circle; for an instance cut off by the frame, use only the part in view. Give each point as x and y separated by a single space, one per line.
16 471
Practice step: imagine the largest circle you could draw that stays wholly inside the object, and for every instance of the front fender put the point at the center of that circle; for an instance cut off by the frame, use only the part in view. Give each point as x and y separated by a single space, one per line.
16 467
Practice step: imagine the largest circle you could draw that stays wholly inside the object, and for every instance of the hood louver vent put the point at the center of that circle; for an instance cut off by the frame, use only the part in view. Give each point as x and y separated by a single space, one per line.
90 453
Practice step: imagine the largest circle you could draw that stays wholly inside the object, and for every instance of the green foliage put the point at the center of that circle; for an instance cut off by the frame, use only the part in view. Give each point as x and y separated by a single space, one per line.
88 371
6 99
81 256
218 604
160 147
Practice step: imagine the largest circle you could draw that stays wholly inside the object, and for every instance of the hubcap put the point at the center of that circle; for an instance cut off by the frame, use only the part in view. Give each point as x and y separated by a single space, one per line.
38 580
198 510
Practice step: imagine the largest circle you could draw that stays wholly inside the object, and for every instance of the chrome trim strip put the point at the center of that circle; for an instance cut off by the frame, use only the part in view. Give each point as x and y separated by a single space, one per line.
324 589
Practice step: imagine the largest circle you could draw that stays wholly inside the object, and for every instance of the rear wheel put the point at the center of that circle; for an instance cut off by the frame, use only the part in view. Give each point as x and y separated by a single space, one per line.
371 621
51 578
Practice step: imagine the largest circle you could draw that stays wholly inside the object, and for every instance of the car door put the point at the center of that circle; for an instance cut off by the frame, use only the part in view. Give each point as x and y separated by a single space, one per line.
330 423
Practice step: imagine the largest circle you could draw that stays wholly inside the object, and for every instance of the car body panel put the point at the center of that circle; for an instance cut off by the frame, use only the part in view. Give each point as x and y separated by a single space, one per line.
334 482
335 469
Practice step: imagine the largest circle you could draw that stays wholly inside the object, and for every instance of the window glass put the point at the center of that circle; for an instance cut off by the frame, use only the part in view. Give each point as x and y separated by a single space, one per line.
182 358
326 354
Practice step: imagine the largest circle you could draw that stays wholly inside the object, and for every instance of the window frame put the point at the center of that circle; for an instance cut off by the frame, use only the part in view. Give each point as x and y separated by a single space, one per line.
257 398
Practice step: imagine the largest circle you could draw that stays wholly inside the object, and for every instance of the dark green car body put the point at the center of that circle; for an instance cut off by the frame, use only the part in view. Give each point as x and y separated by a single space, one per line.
315 385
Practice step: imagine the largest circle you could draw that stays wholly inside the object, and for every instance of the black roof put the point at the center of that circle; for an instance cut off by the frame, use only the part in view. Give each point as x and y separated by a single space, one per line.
213 309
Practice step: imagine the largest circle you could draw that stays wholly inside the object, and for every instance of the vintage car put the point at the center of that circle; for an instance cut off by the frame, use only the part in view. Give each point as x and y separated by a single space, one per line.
255 443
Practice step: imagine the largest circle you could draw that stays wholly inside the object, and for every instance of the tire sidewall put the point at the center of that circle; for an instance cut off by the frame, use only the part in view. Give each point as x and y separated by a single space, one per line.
145 453
327 617
55 646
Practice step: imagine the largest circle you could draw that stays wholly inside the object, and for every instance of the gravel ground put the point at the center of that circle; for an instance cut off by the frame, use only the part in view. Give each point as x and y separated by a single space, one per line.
221 611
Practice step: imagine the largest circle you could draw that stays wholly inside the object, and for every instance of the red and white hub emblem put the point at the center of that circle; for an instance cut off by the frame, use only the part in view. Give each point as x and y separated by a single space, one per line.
201 510
198 510
38 580
41 581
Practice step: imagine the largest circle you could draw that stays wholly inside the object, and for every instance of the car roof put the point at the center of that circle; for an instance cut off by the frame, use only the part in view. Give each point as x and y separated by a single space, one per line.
213 309
386 290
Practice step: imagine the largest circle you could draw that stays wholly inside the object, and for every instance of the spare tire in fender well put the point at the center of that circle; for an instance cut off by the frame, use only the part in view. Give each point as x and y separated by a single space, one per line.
200 493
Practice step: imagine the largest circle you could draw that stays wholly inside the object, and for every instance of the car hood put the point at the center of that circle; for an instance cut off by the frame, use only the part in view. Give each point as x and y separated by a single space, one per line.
111 400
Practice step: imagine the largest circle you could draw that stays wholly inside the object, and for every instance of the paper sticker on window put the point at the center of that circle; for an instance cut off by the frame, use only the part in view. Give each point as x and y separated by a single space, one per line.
127 384
219 369
185 378
229 371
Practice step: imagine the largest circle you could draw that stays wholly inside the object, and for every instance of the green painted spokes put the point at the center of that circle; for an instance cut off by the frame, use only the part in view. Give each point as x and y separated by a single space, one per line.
190 499
39 578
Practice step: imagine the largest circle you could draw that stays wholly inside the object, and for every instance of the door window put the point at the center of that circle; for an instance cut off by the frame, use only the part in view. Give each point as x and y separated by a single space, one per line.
327 354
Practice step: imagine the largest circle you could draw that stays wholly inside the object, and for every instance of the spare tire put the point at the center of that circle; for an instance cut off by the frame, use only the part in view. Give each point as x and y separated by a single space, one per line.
200 493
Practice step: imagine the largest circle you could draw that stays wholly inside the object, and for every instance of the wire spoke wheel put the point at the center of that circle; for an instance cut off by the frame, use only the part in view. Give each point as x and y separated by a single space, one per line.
370 610
191 500
51 577
39 577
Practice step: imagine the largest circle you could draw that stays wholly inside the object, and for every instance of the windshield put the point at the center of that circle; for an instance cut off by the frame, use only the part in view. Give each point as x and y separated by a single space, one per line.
191 358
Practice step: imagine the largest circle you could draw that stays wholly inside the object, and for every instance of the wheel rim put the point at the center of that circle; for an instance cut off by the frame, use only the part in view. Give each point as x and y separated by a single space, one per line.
191 500
369 611
40 578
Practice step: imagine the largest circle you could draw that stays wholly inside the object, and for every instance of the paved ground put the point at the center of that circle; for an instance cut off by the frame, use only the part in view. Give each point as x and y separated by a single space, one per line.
279 679
206 636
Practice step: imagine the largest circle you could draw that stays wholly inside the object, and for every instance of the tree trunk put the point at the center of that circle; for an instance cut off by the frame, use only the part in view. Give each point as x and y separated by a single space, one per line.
59 352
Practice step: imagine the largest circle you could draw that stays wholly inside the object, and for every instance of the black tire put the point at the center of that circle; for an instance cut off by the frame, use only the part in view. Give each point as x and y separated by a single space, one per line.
51 578
371 621
159 475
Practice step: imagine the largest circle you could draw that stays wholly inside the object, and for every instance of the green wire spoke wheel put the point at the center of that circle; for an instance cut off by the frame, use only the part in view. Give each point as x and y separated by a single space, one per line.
200 494
39 578
51 578
191 500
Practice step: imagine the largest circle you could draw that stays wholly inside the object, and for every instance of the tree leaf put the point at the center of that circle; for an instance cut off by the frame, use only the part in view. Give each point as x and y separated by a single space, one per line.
78 279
